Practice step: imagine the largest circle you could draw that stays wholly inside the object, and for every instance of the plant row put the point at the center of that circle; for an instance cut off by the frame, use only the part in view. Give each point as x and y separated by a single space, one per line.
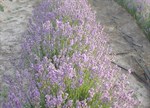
140 10
64 62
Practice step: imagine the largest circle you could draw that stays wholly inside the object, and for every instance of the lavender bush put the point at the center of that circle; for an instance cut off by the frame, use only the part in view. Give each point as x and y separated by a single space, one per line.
140 10
64 62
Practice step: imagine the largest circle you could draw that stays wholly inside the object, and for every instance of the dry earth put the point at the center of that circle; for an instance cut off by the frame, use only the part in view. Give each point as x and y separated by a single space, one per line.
126 39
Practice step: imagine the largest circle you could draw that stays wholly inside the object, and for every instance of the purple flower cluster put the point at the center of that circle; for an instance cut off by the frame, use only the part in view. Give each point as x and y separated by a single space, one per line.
64 62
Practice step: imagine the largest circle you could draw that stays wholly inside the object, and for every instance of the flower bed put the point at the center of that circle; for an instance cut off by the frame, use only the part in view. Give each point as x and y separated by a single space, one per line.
64 62
140 10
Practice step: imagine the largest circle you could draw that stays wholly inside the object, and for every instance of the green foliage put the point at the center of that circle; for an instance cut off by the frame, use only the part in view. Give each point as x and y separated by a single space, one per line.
3 93
1 8
42 102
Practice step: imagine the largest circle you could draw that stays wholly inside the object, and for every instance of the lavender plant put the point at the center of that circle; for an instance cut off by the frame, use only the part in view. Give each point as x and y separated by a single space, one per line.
139 9
64 62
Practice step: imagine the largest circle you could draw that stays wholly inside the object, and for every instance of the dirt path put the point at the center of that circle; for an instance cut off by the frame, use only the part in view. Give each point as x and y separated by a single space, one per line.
128 43
126 39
